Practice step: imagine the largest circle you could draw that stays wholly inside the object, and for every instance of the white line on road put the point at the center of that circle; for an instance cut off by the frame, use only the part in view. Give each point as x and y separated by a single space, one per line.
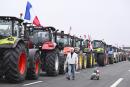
129 70
32 83
77 72
117 82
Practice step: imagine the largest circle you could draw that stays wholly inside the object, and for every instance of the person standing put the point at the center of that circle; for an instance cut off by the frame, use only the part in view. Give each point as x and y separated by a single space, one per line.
71 60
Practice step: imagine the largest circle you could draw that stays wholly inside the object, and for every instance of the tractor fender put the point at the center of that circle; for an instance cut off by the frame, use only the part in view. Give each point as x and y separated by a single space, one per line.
17 41
31 56
49 45
32 53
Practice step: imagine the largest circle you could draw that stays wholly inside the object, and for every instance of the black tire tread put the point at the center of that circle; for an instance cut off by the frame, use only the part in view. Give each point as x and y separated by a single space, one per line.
50 64
31 70
10 63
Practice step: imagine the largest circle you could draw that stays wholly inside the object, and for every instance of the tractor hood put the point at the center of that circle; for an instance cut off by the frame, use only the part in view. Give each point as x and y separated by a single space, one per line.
99 50
49 45
7 40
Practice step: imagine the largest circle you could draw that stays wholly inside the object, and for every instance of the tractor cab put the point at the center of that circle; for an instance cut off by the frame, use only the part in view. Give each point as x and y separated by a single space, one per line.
10 26
10 29
77 43
99 46
86 46
39 35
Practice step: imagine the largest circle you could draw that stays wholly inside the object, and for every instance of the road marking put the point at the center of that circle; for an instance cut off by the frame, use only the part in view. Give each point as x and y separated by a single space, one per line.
32 83
77 72
117 82
129 70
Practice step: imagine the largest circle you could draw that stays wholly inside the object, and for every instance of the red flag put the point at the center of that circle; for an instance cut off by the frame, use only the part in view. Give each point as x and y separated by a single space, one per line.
36 21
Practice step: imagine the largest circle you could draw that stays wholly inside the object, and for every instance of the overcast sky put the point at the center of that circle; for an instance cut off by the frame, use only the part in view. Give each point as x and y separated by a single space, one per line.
102 19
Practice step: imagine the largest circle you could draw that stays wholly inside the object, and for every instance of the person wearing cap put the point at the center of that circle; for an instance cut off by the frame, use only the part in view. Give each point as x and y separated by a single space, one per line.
71 60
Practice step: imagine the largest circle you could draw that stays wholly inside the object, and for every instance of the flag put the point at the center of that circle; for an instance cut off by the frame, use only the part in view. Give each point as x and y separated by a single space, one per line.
31 17
90 43
84 36
36 21
27 13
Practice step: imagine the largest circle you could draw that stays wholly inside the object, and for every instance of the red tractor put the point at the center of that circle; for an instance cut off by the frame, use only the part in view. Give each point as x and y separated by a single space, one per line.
46 40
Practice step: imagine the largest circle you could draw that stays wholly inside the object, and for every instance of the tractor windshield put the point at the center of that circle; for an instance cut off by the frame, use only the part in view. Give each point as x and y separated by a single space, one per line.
39 36
98 44
5 27
78 43
63 41
86 42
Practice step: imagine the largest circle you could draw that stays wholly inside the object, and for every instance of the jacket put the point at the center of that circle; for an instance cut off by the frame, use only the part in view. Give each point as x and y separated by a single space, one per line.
73 59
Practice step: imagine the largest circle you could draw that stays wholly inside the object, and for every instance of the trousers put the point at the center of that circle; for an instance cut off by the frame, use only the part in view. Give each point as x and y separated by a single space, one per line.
71 70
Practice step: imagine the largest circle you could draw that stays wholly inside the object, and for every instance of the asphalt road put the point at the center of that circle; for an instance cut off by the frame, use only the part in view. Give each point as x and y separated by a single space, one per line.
115 75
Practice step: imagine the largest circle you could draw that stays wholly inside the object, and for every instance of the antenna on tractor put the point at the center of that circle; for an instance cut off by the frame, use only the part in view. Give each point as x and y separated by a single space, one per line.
70 30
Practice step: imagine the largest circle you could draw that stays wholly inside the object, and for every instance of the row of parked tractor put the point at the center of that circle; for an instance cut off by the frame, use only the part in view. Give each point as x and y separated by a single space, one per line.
26 50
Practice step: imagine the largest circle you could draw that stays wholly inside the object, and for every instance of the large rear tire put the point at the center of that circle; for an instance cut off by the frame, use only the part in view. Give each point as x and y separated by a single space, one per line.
15 63
34 67
101 60
80 61
52 63
89 60
84 62
62 64
111 61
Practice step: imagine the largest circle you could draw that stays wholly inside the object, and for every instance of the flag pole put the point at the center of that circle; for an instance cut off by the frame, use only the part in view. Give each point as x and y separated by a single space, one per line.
70 30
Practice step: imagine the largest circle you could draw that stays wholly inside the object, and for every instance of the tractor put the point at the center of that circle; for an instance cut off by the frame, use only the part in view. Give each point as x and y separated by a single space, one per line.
110 52
91 61
47 40
100 52
78 43
116 55
17 60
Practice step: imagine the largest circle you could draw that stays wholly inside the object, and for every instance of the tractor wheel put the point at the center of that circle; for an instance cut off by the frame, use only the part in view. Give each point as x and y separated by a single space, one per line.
34 67
62 64
80 61
111 60
98 78
101 59
84 62
15 63
89 60
52 63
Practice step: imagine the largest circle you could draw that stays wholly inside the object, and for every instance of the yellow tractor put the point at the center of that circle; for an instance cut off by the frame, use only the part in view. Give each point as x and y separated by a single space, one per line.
89 54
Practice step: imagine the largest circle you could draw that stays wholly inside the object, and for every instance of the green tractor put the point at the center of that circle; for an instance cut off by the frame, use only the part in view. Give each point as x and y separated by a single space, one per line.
89 54
17 60
100 52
